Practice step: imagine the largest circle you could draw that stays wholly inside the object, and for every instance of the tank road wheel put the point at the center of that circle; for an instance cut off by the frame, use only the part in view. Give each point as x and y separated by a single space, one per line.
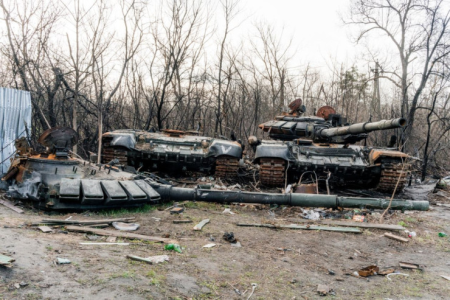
227 167
390 171
272 171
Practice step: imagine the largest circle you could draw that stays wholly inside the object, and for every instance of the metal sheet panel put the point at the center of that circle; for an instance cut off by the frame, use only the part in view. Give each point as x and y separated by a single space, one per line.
92 191
15 112
134 191
151 193
69 189
114 191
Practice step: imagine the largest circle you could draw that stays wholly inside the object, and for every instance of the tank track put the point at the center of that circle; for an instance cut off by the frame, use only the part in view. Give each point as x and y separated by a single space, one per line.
227 167
272 171
390 171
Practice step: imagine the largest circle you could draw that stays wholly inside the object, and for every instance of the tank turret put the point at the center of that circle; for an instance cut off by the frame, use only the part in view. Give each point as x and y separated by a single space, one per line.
325 127
323 144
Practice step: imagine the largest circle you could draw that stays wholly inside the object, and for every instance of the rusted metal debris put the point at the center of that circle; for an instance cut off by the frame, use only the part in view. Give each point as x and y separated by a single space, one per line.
368 271
325 112
54 179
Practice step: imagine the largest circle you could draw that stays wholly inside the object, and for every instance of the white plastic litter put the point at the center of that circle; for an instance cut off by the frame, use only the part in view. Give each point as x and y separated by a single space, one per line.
125 226
228 211
387 276
158 258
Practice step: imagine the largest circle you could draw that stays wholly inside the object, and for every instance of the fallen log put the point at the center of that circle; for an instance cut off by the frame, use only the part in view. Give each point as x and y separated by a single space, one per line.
127 235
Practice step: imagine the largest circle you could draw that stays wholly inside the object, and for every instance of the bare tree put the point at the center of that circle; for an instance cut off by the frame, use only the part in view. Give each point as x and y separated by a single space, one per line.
175 41
131 14
28 32
230 10
275 58
417 29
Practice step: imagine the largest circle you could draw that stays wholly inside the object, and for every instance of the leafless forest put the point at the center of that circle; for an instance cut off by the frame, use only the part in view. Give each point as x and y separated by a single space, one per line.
102 65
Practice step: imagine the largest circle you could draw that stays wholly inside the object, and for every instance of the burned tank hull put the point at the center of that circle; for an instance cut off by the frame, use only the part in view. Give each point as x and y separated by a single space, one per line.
55 180
325 146
172 151
354 166
74 184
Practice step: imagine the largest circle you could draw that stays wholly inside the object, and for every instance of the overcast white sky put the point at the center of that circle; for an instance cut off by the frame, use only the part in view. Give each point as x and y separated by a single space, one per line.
315 26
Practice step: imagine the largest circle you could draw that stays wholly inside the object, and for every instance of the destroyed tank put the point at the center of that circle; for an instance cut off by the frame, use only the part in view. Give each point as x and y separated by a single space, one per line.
55 179
171 151
325 145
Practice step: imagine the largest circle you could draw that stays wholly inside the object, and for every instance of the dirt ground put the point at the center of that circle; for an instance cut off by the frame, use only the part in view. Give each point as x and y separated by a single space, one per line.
309 257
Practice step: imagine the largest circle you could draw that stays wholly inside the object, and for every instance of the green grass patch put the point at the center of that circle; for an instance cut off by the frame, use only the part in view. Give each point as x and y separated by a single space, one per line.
155 278
203 205
146 208
125 274
402 223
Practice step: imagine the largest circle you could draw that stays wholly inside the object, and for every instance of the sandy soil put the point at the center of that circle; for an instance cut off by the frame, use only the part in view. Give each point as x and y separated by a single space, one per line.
103 272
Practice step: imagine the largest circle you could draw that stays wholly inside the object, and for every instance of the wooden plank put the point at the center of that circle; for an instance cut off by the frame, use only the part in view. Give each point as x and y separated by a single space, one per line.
45 229
182 221
351 224
10 205
98 225
6 260
305 227
128 235
200 225
86 222
407 265
133 257
396 237
120 244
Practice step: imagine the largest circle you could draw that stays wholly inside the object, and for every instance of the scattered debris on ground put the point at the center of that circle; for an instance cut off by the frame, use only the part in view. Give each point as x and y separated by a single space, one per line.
6 261
396 237
125 226
151 260
200 225
212 263
369 271
127 235
10 205
62 261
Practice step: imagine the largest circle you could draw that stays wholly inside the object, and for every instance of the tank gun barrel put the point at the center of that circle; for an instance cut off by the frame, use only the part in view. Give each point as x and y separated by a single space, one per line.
168 192
363 127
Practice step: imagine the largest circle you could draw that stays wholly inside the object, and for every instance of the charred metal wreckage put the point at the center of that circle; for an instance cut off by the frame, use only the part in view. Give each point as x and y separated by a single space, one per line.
172 150
324 145
56 180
